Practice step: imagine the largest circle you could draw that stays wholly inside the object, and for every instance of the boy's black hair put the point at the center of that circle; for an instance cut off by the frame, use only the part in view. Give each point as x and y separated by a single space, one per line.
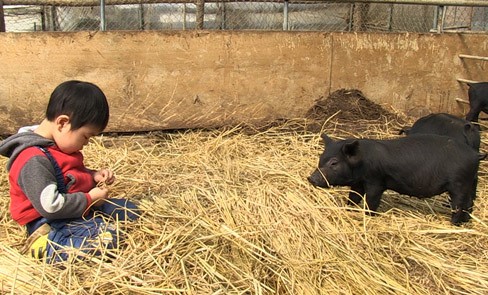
83 102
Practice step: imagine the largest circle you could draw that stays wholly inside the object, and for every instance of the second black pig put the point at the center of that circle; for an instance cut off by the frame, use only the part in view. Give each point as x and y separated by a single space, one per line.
449 125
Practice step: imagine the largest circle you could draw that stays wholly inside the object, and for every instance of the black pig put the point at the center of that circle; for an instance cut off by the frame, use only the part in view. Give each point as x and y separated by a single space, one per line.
449 125
419 165
478 100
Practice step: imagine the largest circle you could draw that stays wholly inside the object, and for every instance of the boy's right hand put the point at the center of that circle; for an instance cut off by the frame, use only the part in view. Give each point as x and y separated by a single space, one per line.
98 195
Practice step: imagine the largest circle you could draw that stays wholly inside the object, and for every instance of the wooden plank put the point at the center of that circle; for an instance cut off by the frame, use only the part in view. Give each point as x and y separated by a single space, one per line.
473 57
467 81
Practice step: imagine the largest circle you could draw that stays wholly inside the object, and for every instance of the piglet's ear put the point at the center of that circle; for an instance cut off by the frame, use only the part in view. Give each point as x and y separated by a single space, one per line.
327 140
351 151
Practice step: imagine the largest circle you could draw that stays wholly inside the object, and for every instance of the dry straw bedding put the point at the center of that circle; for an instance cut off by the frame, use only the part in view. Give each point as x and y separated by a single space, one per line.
231 212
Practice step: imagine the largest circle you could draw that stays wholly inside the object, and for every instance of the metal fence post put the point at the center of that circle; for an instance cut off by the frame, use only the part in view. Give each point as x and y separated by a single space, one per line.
184 16
224 16
350 17
54 21
439 18
285 16
390 18
103 24
141 17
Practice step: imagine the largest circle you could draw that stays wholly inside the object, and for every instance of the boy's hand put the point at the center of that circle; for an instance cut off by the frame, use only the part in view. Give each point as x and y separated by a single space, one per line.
104 175
98 195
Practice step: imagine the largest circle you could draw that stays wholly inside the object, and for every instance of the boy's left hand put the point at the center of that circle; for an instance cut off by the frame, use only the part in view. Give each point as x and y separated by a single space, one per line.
104 175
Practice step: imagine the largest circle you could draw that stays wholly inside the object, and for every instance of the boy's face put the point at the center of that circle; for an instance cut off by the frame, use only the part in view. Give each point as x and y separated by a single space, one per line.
71 141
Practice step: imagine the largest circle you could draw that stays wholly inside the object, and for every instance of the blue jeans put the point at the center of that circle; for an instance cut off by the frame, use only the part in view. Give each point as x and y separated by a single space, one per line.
92 233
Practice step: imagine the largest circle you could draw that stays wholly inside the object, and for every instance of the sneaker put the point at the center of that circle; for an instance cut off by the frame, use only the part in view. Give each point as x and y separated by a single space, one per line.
39 247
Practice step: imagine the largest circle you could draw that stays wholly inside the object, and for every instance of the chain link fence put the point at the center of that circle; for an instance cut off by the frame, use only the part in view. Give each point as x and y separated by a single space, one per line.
274 15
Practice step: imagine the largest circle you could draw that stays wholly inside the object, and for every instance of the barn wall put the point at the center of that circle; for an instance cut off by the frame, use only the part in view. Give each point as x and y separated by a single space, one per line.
167 80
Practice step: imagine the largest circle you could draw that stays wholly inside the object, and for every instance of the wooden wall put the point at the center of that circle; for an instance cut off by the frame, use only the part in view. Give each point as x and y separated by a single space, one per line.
190 79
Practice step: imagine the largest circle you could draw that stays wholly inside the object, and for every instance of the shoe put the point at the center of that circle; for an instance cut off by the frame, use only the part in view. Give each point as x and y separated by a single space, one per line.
36 244
39 247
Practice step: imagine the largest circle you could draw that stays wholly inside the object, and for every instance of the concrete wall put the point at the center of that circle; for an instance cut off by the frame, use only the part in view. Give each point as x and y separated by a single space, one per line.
167 80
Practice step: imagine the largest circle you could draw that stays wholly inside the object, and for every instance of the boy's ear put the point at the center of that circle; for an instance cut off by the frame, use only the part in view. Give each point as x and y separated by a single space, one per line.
62 121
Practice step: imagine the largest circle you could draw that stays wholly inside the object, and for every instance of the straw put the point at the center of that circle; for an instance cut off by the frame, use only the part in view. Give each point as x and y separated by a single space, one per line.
230 211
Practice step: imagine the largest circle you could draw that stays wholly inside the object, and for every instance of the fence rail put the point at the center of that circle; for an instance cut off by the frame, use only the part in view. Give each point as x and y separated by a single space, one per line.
339 15
482 3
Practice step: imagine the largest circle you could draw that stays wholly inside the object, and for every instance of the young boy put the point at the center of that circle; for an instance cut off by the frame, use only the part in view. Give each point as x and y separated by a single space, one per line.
52 192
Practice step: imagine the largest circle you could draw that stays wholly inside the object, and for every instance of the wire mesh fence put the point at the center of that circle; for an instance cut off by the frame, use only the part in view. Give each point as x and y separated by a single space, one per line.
227 15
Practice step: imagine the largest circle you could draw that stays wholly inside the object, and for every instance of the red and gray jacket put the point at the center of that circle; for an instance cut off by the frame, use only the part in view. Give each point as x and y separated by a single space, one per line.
34 190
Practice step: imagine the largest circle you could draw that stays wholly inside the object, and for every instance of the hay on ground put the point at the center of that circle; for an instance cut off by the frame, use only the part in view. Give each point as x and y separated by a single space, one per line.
231 212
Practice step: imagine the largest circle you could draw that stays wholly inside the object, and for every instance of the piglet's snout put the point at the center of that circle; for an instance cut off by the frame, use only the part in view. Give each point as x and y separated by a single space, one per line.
318 179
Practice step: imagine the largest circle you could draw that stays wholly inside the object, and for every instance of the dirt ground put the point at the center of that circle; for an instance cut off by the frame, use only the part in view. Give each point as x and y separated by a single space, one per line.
349 107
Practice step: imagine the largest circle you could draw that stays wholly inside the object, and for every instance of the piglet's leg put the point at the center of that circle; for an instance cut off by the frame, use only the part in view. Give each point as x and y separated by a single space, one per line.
459 216
356 194
474 188
461 204
373 196
474 111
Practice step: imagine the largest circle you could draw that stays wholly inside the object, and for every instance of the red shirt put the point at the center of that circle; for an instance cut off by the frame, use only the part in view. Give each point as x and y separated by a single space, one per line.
33 186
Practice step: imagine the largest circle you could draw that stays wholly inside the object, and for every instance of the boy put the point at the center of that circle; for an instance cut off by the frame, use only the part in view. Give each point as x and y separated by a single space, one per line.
52 192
